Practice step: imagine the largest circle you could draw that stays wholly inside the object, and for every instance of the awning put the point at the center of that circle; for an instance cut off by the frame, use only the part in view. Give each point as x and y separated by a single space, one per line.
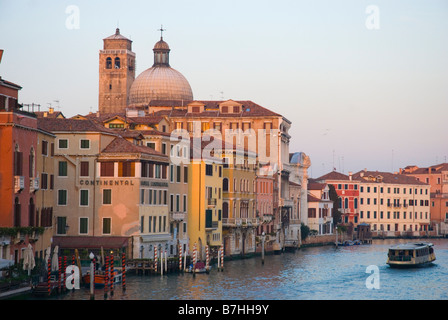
90 242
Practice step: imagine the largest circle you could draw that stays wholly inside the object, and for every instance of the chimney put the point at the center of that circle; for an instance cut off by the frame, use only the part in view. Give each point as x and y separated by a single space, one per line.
350 175
51 110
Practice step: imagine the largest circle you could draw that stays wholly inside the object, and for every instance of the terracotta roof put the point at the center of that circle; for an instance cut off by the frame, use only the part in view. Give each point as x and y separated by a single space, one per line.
316 186
6 83
386 177
48 114
312 198
438 168
334 175
249 109
70 125
121 145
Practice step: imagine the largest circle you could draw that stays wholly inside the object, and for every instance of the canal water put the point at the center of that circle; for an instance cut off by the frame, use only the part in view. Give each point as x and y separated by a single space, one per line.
316 273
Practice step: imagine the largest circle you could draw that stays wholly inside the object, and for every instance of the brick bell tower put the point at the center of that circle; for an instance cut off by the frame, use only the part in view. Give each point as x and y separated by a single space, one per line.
116 73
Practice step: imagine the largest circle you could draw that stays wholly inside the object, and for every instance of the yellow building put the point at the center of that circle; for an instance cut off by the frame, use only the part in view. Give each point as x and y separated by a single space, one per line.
240 220
205 175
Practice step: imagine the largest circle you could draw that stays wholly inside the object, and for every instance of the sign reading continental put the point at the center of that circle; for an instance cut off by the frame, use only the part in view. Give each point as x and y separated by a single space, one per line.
122 182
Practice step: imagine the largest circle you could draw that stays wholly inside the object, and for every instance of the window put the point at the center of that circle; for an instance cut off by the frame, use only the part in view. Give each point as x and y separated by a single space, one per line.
109 63
62 197
63 144
84 198
178 173
151 145
225 184
116 125
185 174
107 196
142 196
164 148
84 168
18 163
83 225
209 170
62 168
44 148
117 63
126 169
61 224
44 181
85 144
185 202
107 225
107 169
171 173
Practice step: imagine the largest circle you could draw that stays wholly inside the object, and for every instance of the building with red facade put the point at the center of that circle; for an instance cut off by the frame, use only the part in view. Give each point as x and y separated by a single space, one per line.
347 190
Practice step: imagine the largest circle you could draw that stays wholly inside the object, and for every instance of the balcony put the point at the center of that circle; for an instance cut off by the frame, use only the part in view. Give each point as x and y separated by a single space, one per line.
267 218
178 216
19 183
240 222
211 202
34 184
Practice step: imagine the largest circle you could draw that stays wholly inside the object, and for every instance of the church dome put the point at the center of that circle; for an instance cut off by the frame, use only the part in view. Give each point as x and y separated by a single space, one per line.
160 82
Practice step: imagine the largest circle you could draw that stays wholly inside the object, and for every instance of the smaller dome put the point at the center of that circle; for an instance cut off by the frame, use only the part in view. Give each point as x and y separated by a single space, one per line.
161 45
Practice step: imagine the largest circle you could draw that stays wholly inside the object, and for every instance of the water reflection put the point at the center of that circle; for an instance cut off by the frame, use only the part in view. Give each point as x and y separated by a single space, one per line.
310 273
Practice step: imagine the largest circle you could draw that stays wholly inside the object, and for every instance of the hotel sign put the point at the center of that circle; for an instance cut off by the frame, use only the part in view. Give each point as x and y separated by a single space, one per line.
122 182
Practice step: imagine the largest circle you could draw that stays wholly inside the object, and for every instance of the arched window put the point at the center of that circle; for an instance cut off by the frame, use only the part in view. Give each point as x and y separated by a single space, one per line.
117 63
225 184
17 212
31 163
31 213
346 203
225 210
109 63
340 203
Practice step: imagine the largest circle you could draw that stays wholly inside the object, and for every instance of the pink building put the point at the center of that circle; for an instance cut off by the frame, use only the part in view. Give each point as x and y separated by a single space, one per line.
265 185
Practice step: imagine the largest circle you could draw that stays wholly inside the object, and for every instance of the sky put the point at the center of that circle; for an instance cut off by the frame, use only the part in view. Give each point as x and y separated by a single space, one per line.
364 83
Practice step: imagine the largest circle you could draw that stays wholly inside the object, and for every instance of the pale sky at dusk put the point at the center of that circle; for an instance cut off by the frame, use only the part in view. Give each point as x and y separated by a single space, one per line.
357 97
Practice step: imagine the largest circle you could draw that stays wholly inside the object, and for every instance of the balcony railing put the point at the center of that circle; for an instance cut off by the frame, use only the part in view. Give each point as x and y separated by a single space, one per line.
240 222
211 201
19 183
34 184
178 216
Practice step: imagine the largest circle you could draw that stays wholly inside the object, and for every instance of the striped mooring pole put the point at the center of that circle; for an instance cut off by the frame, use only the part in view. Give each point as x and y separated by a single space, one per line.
180 257
106 277
222 257
123 271
60 274
49 277
73 271
112 277
155 259
207 258
65 275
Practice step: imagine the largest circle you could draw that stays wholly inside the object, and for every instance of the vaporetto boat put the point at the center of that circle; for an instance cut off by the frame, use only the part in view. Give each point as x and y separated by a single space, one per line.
411 254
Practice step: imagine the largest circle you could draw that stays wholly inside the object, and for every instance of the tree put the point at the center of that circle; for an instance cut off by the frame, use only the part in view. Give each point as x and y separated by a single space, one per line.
304 231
